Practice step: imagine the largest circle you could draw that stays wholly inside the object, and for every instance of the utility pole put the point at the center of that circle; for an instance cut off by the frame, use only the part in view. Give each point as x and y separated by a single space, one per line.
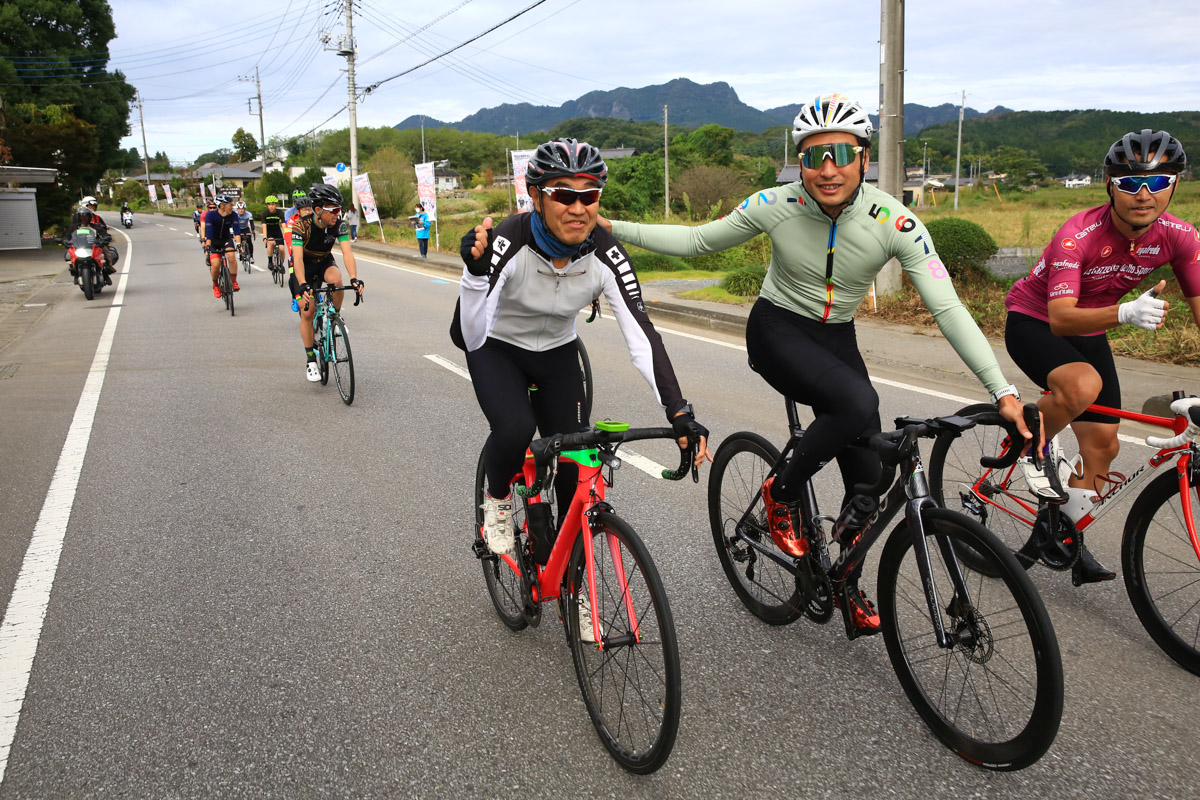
786 142
891 120
422 138
145 150
958 157
666 170
345 48
262 135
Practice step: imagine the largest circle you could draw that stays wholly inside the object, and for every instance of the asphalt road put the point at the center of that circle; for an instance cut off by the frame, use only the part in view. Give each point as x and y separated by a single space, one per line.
265 593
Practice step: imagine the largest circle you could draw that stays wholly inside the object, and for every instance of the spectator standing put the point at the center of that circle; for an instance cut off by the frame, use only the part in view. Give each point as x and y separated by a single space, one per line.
352 221
421 223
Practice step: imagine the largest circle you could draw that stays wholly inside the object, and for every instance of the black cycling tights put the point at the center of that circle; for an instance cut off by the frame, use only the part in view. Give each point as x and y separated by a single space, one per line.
817 364
502 374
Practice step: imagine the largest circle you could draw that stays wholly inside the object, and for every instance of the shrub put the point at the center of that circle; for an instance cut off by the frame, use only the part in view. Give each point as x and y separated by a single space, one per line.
963 246
745 282
495 202
656 262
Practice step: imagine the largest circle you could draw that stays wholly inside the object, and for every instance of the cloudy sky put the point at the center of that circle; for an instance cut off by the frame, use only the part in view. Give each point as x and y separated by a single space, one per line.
1023 54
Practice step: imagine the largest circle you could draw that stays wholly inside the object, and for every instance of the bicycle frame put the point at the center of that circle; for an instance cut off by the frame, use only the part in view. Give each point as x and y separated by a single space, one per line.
910 493
588 497
1181 454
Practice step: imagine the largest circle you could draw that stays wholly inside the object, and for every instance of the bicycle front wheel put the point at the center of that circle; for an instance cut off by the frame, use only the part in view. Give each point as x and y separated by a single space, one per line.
319 346
1162 571
343 361
503 581
993 692
585 368
756 568
630 678
999 499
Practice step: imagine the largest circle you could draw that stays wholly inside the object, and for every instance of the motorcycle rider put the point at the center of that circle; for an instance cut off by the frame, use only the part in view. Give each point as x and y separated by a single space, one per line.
86 216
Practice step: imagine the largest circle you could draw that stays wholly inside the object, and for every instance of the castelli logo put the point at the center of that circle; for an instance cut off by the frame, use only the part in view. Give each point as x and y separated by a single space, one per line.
1106 252
1068 244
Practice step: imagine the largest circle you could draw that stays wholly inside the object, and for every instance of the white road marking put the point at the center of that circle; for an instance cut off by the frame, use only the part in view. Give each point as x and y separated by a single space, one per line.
646 465
34 305
22 626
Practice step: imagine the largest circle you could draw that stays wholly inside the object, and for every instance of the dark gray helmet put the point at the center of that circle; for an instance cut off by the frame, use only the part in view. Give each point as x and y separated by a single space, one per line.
1131 154
566 158
322 194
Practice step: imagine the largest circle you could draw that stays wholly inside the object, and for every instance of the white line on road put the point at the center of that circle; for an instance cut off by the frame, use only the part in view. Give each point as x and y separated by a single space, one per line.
646 465
22 626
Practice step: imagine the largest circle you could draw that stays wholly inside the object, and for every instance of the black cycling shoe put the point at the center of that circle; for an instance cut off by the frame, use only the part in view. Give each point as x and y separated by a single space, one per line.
107 281
1088 570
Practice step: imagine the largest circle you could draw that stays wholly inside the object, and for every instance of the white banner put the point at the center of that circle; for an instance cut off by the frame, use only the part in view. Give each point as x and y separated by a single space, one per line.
427 190
520 162
153 192
203 195
167 192
366 198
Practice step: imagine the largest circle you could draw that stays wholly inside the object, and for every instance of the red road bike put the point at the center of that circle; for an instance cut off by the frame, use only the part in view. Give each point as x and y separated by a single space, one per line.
610 597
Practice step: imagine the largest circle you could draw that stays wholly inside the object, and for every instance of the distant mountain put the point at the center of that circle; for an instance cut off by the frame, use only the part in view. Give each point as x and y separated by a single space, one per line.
916 117
690 105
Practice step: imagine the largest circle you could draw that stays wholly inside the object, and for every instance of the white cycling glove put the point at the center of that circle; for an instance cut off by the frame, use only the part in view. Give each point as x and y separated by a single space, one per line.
1146 312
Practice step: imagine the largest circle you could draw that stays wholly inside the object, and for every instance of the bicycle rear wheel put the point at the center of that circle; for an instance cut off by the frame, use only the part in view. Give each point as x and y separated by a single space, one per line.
995 696
756 568
999 499
503 581
343 361
1162 572
631 685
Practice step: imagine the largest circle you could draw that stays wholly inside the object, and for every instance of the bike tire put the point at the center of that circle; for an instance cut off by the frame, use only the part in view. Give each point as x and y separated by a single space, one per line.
343 361
503 582
766 588
88 282
631 687
1162 572
999 499
585 368
1005 643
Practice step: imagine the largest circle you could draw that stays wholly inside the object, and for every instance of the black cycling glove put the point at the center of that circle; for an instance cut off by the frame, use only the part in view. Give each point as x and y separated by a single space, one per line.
686 425
481 265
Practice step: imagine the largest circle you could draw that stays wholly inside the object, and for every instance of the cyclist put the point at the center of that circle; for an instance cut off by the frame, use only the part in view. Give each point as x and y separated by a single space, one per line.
86 217
246 223
313 238
222 234
197 218
831 234
1059 314
297 197
272 226
301 207
523 285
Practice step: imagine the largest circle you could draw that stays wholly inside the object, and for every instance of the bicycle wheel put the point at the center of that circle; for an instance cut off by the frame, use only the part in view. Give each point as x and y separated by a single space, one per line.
631 685
343 361
1162 572
585 367
995 696
226 286
503 581
756 568
999 499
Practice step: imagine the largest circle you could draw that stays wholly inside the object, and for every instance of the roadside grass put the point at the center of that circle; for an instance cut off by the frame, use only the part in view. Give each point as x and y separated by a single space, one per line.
715 294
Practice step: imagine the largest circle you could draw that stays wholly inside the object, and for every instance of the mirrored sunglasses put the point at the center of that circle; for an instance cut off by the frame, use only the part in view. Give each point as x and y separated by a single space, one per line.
841 153
567 197
1132 184
336 210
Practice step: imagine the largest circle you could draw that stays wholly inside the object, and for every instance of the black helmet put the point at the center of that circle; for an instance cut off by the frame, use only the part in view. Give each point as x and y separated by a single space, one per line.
1130 154
565 158
322 194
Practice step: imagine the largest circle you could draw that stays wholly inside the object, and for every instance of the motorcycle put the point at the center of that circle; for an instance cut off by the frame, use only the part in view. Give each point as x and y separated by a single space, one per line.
86 254
127 219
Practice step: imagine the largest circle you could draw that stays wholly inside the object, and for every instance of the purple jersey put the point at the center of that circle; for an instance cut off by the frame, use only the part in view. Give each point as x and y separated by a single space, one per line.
1090 260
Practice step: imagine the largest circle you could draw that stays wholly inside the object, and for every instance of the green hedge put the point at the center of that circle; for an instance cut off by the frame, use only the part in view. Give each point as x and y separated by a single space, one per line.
745 282
656 262
963 246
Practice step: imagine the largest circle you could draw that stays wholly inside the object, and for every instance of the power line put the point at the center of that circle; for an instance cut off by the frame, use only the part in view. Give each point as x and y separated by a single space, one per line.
422 29
377 84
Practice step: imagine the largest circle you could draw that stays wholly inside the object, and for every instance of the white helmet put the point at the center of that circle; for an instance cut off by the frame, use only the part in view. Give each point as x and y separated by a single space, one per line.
240 205
831 113
88 201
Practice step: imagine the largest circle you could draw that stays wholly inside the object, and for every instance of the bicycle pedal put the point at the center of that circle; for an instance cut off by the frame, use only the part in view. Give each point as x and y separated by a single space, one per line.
480 549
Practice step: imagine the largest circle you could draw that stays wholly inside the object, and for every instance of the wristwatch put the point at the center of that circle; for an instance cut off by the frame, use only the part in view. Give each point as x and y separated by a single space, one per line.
686 409
1005 391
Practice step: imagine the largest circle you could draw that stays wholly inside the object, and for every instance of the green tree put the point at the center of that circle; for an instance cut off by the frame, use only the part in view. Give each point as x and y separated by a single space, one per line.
393 181
245 146
55 53
221 155
1021 166
54 137
713 143
133 193
709 191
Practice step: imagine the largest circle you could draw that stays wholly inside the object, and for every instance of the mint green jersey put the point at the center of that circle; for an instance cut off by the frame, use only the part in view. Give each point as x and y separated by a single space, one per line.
822 268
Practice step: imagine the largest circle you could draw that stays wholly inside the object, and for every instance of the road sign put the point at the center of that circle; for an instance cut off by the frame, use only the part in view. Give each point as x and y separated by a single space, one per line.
341 167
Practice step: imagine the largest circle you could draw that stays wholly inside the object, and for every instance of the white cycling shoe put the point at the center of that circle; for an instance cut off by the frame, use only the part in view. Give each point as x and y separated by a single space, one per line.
1040 482
586 633
497 524
313 372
